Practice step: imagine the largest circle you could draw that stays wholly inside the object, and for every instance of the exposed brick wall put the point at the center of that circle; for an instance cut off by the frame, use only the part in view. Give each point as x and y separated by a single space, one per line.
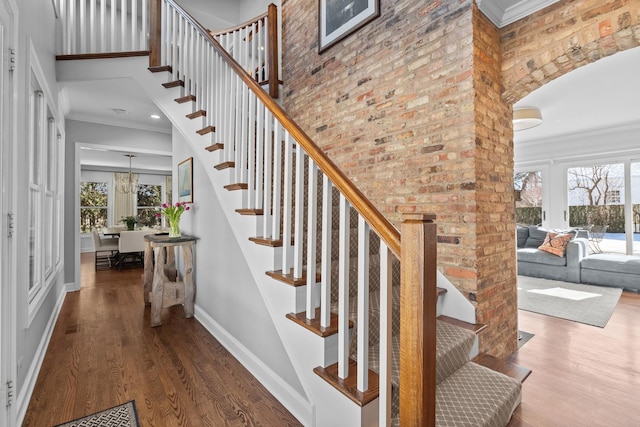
396 107
563 37
496 289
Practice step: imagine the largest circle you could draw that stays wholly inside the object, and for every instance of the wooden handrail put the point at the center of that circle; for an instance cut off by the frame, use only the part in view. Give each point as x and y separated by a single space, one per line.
378 223
272 43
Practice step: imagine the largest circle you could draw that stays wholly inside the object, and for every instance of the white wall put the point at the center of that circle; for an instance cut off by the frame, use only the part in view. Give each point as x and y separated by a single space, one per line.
225 288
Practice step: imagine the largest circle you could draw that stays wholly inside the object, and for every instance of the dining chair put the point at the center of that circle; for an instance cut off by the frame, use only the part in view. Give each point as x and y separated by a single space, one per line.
131 246
102 246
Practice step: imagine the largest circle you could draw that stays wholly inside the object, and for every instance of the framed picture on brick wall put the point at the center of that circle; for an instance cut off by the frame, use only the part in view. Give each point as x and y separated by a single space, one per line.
340 18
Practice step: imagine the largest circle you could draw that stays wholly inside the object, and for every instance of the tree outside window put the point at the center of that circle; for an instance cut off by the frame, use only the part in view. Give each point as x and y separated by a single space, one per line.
149 202
93 205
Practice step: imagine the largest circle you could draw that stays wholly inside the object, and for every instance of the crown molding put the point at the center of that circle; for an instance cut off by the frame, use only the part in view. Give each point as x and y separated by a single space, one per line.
503 12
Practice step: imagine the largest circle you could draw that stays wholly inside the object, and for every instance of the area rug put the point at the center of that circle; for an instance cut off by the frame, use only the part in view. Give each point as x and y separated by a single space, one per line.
124 415
589 304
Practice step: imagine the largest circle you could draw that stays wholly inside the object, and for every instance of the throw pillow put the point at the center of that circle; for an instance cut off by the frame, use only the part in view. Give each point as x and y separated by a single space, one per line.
522 235
536 237
555 243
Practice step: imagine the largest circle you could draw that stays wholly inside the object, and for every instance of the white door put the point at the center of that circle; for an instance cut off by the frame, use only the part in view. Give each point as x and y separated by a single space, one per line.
7 245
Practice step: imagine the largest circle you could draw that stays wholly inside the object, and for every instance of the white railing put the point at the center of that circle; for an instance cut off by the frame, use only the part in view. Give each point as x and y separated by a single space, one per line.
102 26
289 186
254 45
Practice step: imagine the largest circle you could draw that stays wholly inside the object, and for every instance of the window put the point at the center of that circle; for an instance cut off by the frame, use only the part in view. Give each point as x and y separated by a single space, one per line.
93 205
44 198
528 195
149 202
613 197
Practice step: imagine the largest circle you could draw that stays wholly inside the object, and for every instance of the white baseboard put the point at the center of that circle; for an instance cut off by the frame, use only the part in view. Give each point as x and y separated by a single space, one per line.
32 374
293 401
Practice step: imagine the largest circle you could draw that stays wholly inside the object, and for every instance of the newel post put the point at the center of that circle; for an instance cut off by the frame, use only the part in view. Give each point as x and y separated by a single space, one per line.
418 296
272 34
155 29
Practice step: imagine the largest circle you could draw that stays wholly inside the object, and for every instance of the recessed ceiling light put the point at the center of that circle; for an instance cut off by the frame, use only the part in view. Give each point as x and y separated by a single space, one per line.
155 116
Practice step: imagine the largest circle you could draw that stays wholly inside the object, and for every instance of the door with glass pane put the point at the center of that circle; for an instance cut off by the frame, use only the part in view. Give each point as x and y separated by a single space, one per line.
635 206
528 195
596 199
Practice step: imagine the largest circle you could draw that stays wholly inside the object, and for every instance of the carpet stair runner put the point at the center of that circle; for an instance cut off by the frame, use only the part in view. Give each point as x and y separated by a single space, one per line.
466 393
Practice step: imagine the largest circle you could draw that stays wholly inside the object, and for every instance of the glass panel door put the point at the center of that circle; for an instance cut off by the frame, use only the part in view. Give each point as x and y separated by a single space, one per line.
635 206
528 195
596 203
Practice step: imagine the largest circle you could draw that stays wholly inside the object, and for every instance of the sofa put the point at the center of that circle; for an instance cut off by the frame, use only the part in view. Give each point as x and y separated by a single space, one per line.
539 263
620 271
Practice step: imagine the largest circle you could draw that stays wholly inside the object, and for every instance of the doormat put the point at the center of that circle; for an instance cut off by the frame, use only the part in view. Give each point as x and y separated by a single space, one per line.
124 415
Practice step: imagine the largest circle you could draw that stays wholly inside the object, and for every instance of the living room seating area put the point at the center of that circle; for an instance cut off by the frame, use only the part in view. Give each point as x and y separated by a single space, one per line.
561 256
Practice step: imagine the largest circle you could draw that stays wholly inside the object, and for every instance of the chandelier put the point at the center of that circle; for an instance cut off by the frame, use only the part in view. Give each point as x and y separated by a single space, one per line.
129 187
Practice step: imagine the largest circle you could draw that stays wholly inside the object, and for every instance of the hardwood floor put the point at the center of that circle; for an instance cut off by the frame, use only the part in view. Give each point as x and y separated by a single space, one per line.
582 375
103 352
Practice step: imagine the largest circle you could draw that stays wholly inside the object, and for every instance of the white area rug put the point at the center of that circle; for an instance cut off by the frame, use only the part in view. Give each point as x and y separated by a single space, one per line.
589 304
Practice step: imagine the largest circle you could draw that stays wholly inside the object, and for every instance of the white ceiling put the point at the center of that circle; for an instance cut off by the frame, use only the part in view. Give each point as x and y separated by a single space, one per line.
597 96
581 101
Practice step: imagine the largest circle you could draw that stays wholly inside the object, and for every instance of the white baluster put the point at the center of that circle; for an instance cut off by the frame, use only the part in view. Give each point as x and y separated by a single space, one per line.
264 57
144 44
312 220
251 142
299 213
123 25
287 260
277 178
82 16
134 25
343 290
92 26
363 304
103 26
268 173
386 306
325 260
114 12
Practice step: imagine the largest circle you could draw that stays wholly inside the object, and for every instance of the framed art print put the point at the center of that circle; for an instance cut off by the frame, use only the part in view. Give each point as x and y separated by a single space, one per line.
185 181
340 18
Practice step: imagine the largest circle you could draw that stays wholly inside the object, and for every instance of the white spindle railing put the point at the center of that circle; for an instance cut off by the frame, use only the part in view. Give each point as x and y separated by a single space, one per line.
295 196
254 46
103 26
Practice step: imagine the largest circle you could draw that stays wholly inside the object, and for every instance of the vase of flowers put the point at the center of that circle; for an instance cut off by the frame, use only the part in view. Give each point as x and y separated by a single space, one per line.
130 221
173 213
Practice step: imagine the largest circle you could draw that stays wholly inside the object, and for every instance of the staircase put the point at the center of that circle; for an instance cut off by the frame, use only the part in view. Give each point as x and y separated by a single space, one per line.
326 260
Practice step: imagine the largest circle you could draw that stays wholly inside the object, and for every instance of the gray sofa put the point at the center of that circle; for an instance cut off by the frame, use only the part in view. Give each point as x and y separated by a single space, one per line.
536 263
620 271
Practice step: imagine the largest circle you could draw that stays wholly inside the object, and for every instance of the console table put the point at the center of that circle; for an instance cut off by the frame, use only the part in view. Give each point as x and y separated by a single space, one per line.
162 287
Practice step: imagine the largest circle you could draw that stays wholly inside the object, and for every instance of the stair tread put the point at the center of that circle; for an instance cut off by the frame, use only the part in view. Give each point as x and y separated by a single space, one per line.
274 243
314 324
510 369
215 147
196 114
206 130
476 395
225 165
255 212
186 98
476 328
348 386
174 83
160 69
236 186
290 279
